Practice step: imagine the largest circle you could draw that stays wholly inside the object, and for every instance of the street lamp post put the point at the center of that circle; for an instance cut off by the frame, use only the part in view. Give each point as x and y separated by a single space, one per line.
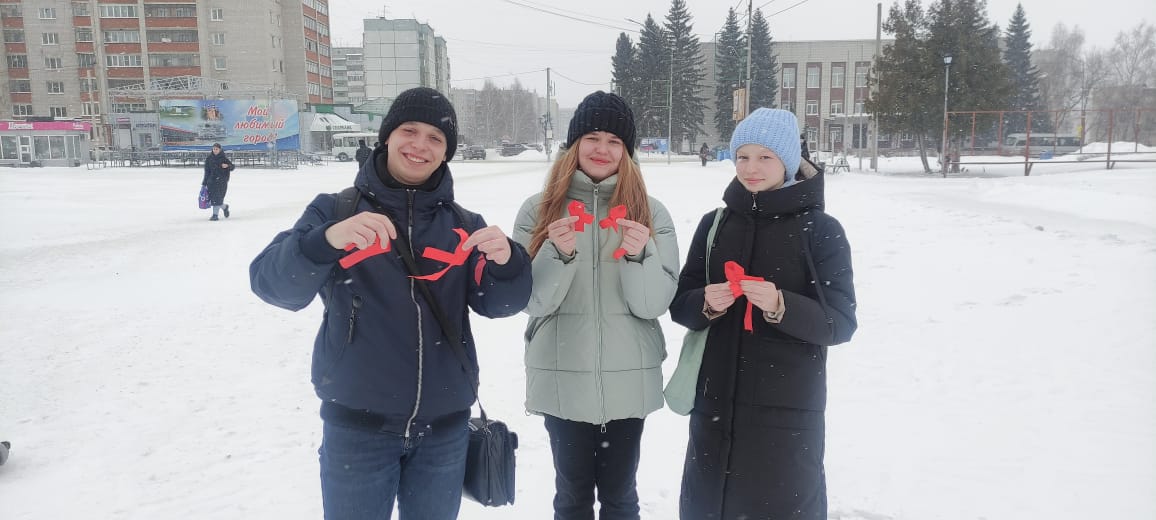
946 79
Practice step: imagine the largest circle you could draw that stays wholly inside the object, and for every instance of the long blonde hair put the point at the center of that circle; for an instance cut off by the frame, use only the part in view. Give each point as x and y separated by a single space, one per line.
630 190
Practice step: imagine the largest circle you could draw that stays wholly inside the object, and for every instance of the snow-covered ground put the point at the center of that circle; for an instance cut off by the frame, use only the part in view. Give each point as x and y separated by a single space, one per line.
1004 368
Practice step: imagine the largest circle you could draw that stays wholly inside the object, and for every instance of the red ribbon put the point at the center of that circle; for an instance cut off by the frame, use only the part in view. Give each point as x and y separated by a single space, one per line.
578 209
735 275
611 221
374 249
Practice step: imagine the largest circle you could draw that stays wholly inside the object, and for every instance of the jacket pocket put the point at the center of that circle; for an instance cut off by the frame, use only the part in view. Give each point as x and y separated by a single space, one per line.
787 374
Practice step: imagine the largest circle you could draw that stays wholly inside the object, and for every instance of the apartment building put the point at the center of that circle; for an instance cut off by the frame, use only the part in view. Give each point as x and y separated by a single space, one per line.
348 75
402 54
61 57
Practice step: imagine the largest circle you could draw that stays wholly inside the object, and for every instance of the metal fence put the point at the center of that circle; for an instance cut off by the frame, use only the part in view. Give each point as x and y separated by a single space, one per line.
287 159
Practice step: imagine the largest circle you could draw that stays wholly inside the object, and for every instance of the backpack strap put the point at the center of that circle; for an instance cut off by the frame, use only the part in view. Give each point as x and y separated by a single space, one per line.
718 217
346 203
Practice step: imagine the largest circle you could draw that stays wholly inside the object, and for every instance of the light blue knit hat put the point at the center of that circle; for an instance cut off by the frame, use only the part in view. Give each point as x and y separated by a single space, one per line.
775 129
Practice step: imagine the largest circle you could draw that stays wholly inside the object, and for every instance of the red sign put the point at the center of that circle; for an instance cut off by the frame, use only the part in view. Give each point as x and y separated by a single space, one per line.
13 126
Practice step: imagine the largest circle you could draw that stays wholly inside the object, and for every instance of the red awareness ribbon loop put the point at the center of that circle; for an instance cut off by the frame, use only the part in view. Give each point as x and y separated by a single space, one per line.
611 221
735 275
458 257
374 249
578 209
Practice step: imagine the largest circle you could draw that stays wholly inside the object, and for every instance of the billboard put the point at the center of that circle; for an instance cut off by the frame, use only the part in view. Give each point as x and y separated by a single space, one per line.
237 124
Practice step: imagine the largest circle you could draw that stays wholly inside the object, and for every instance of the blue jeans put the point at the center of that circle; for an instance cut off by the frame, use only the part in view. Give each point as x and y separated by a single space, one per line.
364 471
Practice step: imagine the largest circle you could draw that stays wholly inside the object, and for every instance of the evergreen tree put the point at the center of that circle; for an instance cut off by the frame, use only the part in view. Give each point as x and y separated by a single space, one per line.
1024 77
625 71
686 76
730 61
904 79
653 79
764 84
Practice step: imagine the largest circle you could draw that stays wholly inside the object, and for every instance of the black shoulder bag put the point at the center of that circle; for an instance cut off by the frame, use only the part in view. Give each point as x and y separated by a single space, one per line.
490 459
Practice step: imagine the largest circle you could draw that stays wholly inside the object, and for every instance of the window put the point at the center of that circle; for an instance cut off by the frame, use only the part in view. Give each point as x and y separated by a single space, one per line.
58 112
326 71
323 49
169 36
55 87
788 106
90 109
812 107
170 11
905 137
22 110
813 72
217 14
326 92
17 61
836 108
311 66
47 13
118 11
13 36
220 63
837 76
20 85
11 11
120 108
53 63
125 83
121 36
812 136
315 89
122 60
788 77
80 9
836 135
860 107
88 84
174 60
84 34
273 41
860 75
218 38
50 38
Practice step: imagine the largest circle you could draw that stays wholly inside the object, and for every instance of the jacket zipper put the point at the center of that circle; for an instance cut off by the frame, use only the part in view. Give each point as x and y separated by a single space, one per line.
417 306
354 305
597 259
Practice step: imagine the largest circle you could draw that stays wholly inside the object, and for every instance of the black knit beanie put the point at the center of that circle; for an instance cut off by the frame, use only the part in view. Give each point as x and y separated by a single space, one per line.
603 111
424 105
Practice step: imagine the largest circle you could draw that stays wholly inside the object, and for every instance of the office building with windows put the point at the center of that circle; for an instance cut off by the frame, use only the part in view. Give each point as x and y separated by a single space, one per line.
400 55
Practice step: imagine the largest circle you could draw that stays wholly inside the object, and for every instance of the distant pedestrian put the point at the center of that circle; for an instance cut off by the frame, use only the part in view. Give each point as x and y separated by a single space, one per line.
4 452
217 169
704 153
803 145
362 153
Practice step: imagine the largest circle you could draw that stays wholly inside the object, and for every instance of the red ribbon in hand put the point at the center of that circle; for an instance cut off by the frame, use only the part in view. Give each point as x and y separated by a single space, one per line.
374 249
458 257
735 275
578 209
611 221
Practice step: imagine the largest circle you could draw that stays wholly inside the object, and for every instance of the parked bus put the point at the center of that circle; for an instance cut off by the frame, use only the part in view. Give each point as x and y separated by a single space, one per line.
345 144
1056 143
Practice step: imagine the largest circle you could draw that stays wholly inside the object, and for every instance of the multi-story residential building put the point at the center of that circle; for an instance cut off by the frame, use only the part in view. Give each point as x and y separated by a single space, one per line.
348 75
52 49
402 54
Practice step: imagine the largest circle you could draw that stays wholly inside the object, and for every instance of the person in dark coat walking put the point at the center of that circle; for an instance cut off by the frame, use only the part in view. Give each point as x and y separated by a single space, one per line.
704 154
757 427
217 168
362 153
803 144
395 396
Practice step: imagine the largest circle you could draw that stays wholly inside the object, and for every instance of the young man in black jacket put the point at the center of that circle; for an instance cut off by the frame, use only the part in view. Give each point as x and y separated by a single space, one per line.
395 397
362 153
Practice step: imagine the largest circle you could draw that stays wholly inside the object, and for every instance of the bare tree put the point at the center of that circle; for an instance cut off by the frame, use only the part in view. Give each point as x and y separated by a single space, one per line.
1070 74
1132 66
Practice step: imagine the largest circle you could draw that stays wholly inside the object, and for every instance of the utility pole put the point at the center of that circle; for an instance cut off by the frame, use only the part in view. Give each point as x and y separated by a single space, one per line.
873 123
670 105
750 13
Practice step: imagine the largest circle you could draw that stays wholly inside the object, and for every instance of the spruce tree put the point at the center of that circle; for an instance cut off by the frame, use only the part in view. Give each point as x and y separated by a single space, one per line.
729 61
625 71
1024 77
653 79
686 76
904 93
764 84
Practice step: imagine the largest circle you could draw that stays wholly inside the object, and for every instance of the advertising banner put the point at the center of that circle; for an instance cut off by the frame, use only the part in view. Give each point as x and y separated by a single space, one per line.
237 124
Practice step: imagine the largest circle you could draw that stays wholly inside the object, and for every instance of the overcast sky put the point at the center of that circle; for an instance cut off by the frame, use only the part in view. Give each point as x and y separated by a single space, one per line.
504 39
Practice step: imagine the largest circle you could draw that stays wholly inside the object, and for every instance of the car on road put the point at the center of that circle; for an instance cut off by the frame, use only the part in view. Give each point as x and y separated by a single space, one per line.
512 149
476 151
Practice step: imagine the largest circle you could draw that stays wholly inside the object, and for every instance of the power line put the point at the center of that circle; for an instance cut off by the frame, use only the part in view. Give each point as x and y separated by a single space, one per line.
490 76
572 80
796 4
600 24
610 20
523 48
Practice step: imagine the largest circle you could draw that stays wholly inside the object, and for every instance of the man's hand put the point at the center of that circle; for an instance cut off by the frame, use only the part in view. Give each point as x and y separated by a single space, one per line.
361 230
561 234
492 242
718 296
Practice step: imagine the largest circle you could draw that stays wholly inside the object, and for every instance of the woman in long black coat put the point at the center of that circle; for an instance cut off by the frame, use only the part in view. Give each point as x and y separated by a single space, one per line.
757 429
217 168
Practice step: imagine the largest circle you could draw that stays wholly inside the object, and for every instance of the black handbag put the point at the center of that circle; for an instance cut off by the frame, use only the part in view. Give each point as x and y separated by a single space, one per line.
490 460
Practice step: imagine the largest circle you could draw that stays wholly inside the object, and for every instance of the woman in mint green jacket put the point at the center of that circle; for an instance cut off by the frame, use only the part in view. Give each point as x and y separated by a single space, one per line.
603 274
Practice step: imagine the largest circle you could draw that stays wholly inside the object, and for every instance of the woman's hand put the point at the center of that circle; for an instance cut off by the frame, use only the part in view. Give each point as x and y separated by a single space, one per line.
361 230
763 294
634 236
561 234
718 296
492 242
